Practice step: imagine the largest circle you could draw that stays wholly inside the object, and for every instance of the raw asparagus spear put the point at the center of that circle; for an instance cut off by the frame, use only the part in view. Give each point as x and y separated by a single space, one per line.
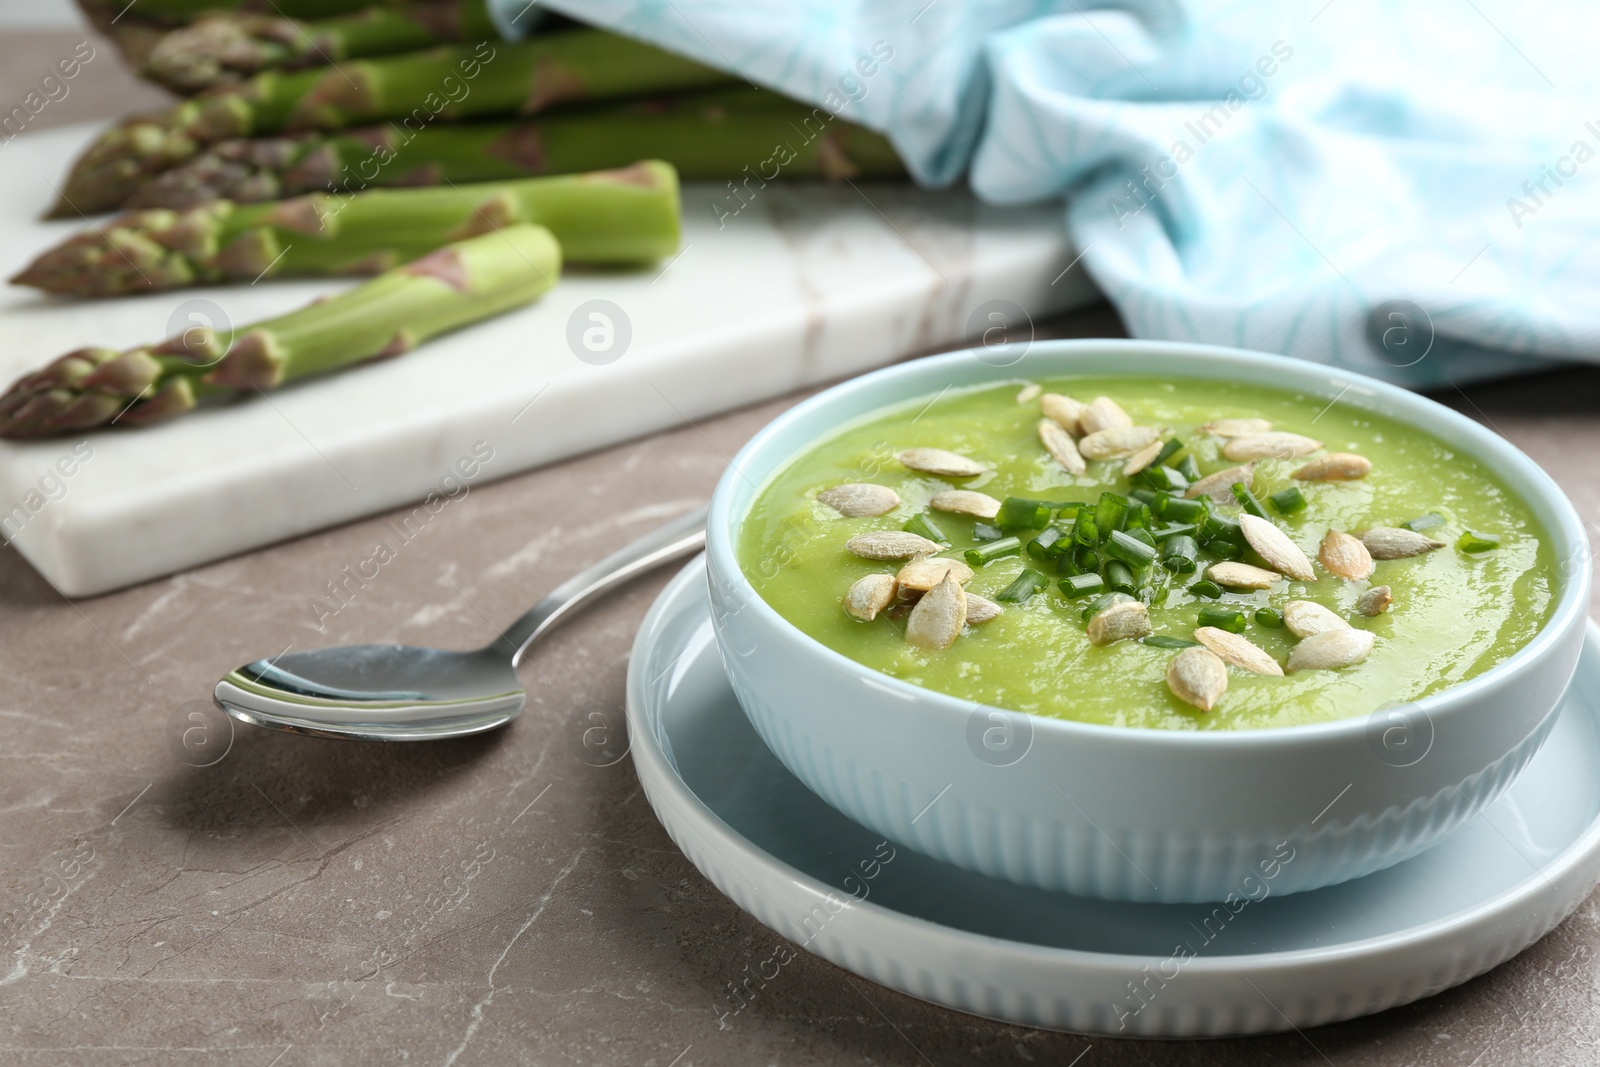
226 46
418 88
708 137
390 314
626 216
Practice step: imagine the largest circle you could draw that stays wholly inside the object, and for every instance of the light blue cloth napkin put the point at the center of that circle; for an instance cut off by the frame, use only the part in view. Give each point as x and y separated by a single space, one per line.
1405 189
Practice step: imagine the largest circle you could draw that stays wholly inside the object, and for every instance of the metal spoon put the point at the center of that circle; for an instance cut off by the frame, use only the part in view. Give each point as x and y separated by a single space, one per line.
403 693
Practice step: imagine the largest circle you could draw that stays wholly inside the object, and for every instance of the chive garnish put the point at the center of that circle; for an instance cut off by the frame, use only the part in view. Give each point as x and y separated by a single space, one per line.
1144 496
1139 518
1022 587
1181 554
1242 493
1163 478
1163 641
1189 468
1119 577
923 526
1424 522
1103 602
1051 543
1176 529
1127 548
1271 618
1220 528
1077 586
1208 589
1171 448
1288 501
1084 530
1474 542
1019 513
1223 617
982 531
1225 550
1109 513
1179 509
1006 546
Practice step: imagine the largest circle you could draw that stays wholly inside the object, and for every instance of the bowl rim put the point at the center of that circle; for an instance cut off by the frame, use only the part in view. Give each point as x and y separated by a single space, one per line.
1570 608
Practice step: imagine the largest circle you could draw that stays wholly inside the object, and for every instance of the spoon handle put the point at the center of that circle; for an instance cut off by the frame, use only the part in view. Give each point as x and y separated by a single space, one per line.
675 540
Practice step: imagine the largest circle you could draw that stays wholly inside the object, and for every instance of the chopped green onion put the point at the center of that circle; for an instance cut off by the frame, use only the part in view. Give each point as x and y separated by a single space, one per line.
923 526
1006 546
1242 493
1177 529
1179 509
982 531
1163 641
1223 617
1082 585
1104 602
1019 513
1225 550
1216 527
1181 555
1189 469
1139 518
1109 513
1424 522
1119 577
1139 533
1475 542
1128 549
1145 496
1208 589
1271 618
1084 531
1051 542
1022 587
1288 501
1168 450
1163 478
1086 558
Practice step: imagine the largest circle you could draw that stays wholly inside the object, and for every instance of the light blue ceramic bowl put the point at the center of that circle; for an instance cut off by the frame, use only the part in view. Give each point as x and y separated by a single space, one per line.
1128 814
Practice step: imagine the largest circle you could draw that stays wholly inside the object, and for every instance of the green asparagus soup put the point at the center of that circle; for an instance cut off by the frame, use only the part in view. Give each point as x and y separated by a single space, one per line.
1170 555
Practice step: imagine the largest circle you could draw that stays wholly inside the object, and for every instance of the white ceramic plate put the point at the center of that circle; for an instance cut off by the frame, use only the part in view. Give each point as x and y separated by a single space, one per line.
1041 959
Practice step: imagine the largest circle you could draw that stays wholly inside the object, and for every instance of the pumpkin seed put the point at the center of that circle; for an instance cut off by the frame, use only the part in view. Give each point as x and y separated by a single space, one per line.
1119 622
925 572
1241 575
1335 467
1274 445
1218 487
1345 556
981 609
1117 442
1064 411
1197 676
1375 601
1142 458
1103 413
966 502
1239 651
870 595
937 619
1062 448
1330 650
1028 392
1236 427
1274 546
855 499
1393 542
891 544
1306 619
941 462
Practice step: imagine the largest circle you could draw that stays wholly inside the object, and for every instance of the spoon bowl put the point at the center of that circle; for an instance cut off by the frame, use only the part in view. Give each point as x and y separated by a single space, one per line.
409 693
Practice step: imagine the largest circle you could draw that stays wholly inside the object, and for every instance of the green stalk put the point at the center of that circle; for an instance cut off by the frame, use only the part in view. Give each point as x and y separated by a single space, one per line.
223 47
618 217
386 316
708 137
180 12
416 88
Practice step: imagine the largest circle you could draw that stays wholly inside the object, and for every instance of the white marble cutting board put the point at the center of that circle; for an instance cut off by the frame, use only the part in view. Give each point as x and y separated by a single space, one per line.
803 285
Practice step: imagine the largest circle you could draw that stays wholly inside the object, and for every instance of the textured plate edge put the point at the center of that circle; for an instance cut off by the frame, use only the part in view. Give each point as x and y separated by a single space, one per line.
1535 906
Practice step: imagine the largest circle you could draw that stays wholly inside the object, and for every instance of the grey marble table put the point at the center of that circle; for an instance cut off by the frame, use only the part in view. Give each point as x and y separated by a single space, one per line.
498 900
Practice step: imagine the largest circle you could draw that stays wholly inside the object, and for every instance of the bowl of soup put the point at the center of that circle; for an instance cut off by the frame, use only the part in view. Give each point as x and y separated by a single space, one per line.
1146 621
